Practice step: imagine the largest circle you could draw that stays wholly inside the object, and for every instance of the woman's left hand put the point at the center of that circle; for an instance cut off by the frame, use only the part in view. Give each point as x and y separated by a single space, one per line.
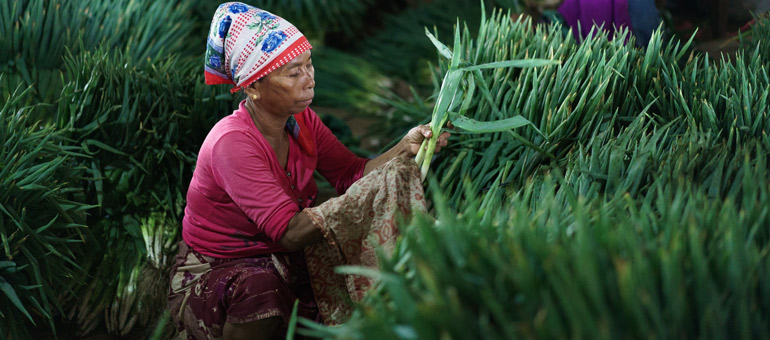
413 139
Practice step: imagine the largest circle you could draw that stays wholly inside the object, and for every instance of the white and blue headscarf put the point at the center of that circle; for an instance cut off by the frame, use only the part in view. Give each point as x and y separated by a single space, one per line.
246 43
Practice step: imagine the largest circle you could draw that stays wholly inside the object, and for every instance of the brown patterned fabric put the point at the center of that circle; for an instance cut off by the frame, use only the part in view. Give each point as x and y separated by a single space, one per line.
356 225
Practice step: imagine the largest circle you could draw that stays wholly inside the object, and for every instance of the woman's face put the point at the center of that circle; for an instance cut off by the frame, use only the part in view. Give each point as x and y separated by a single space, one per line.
288 89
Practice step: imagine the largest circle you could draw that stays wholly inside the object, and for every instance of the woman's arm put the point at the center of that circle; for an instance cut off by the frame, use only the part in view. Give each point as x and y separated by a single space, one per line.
299 233
407 146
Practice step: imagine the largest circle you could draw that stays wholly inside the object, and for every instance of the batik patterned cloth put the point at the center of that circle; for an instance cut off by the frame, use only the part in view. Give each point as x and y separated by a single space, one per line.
246 43
356 226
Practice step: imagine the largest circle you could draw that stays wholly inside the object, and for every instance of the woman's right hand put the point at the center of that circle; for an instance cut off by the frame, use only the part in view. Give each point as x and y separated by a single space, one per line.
413 139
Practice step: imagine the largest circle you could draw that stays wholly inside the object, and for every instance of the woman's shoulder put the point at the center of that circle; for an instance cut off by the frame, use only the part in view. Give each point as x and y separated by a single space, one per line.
227 125
238 121
232 133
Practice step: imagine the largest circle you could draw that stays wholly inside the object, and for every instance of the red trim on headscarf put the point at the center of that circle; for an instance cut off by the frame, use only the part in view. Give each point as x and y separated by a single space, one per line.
304 139
279 61
213 79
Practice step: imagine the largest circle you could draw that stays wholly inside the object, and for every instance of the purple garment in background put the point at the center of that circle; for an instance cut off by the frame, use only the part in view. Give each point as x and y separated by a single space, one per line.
609 13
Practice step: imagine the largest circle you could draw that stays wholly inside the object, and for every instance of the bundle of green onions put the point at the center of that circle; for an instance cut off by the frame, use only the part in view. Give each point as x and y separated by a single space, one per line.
452 97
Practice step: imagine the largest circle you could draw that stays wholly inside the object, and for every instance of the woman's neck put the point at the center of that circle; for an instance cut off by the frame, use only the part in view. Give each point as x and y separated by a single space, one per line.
271 126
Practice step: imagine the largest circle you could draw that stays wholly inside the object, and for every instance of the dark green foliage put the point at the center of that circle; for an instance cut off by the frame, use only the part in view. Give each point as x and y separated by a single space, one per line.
580 251
36 34
758 32
131 120
42 219
347 82
315 19
142 126
567 103
599 87
635 208
400 49
553 264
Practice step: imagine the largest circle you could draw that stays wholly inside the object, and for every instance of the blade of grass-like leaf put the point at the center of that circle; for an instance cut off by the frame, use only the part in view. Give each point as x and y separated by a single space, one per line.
103 146
10 293
479 78
457 55
445 97
442 49
467 101
472 125
157 333
292 322
531 145
393 283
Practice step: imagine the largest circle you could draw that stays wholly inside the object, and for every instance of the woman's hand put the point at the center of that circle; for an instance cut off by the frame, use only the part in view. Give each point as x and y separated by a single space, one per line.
416 135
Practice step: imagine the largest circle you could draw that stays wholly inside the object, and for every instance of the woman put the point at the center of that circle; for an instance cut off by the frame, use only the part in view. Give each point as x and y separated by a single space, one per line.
240 267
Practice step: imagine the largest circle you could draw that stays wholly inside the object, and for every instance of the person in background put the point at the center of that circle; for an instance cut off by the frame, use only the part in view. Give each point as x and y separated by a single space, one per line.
640 16
240 266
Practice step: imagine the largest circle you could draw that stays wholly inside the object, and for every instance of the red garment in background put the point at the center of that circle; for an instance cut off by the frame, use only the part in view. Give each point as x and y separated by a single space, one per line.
240 200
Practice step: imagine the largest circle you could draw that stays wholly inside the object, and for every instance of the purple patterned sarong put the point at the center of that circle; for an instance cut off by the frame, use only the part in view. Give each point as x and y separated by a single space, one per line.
206 292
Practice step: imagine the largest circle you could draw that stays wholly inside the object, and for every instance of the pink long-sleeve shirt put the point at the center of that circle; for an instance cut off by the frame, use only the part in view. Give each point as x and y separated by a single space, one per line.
240 199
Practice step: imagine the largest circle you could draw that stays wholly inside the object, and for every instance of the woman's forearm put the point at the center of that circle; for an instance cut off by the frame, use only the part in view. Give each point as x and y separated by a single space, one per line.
301 232
400 149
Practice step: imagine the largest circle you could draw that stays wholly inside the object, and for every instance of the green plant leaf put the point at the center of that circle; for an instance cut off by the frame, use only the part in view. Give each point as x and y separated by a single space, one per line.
292 321
475 126
10 293
104 147
442 49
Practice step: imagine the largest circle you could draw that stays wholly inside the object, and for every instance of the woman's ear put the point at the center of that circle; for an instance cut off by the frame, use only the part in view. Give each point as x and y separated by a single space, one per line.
252 91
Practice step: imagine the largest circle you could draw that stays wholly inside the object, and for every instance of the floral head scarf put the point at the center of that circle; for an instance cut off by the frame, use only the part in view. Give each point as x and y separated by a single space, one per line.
246 43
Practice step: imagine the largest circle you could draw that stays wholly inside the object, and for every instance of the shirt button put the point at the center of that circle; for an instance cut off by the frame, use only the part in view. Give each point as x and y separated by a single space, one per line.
292 187
300 200
288 173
